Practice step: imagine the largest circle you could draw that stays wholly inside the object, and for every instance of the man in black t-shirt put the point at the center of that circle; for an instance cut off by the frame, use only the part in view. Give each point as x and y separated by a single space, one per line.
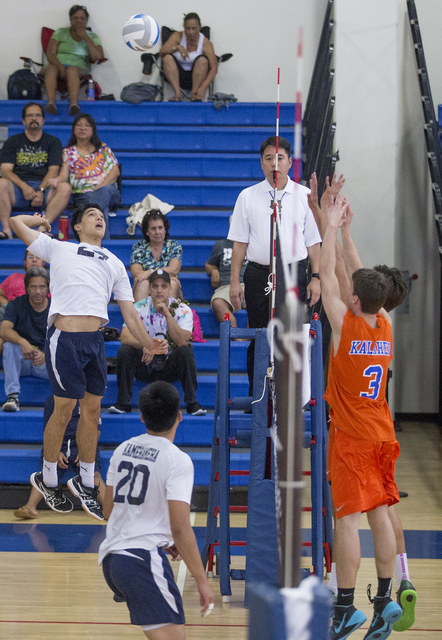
218 268
28 161
24 332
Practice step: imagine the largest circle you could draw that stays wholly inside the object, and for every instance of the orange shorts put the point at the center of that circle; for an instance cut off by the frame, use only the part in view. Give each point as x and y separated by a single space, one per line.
362 473
331 439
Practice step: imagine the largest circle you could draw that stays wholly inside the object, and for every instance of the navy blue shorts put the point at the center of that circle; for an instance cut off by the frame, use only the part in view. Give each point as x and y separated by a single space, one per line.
144 579
20 200
76 362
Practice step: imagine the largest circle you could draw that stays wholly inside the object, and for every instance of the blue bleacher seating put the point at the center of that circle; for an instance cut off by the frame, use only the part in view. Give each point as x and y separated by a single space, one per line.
197 159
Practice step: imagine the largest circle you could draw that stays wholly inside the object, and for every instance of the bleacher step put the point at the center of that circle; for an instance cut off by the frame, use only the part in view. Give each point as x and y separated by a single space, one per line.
16 465
34 391
184 113
27 427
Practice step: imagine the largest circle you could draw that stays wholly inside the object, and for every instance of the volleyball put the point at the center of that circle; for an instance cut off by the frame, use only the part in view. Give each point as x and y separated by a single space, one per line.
141 32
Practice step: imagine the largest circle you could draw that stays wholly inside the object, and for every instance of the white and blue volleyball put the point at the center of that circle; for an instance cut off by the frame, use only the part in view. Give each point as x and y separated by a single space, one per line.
141 32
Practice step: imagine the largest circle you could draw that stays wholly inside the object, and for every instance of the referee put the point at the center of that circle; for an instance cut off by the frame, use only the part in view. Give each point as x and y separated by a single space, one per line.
250 232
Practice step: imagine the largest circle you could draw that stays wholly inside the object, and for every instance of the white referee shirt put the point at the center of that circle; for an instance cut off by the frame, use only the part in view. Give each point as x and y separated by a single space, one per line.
145 472
251 222
83 277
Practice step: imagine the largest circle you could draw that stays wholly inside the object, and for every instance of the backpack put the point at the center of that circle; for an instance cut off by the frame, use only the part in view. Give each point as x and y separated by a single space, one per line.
23 85
140 92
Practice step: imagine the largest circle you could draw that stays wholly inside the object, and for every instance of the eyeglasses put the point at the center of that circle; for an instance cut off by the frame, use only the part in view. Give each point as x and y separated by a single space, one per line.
77 7
33 115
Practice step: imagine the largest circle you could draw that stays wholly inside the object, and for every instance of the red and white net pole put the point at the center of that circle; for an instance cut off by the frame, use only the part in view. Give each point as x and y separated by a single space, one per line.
297 146
274 226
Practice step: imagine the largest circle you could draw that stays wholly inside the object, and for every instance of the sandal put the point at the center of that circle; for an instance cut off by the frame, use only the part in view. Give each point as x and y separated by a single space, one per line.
74 109
24 514
175 99
4 236
51 108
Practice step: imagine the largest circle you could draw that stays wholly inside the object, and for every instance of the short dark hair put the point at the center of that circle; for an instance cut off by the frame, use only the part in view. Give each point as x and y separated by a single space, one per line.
95 140
78 7
271 142
398 287
159 404
36 272
154 214
372 289
32 104
192 16
78 214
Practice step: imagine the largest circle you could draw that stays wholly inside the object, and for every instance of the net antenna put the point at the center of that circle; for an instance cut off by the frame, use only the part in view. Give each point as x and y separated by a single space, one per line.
285 373
297 143
273 234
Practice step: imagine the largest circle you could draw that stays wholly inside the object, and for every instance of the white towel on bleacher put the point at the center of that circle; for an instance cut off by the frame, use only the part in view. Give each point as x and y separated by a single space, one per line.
139 210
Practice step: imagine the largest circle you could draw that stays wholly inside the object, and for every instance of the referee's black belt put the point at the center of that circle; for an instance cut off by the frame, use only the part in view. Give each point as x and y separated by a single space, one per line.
256 265
266 267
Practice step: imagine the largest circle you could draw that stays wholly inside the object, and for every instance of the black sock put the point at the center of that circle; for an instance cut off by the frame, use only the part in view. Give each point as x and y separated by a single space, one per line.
345 597
384 587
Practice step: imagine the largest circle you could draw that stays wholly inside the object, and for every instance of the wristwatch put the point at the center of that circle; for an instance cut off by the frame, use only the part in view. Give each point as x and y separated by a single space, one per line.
41 189
315 275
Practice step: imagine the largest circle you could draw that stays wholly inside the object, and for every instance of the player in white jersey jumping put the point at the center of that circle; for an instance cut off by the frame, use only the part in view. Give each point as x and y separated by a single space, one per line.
83 277
149 488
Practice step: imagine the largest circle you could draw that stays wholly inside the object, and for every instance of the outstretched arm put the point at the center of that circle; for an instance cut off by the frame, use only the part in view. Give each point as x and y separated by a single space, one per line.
351 255
331 294
22 227
331 190
320 214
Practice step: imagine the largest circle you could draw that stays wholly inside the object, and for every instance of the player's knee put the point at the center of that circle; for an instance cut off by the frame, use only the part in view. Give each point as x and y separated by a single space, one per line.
63 413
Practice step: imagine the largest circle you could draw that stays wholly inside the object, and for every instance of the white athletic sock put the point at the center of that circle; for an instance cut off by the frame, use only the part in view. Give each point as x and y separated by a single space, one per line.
333 582
401 568
87 470
50 477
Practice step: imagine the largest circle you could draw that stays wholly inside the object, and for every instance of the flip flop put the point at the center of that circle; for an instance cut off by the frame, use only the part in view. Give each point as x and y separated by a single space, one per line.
24 514
4 236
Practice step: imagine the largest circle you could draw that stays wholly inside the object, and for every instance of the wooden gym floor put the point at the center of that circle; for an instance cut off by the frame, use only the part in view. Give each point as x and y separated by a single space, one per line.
52 586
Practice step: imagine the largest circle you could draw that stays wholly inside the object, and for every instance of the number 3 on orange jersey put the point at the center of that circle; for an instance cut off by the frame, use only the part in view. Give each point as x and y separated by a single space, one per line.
375 372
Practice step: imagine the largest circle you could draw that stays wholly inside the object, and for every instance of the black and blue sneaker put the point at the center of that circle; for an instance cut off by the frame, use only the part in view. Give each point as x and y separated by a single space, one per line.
386 613
346 619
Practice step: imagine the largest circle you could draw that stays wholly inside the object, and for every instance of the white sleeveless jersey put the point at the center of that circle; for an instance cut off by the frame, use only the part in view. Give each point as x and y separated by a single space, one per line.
145 472
83 277
187 64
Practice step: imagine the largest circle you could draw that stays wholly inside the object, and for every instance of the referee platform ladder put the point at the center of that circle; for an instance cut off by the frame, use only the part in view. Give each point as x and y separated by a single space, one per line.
261 521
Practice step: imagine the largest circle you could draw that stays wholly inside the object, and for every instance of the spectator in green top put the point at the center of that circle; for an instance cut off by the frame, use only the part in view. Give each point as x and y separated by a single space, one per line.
70 53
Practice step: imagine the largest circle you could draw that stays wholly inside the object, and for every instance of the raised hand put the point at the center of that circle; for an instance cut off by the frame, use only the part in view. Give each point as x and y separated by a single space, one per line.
42 222
337 211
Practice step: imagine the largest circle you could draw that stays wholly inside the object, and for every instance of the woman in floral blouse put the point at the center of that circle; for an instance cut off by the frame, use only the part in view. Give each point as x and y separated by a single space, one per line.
90 167
155 251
